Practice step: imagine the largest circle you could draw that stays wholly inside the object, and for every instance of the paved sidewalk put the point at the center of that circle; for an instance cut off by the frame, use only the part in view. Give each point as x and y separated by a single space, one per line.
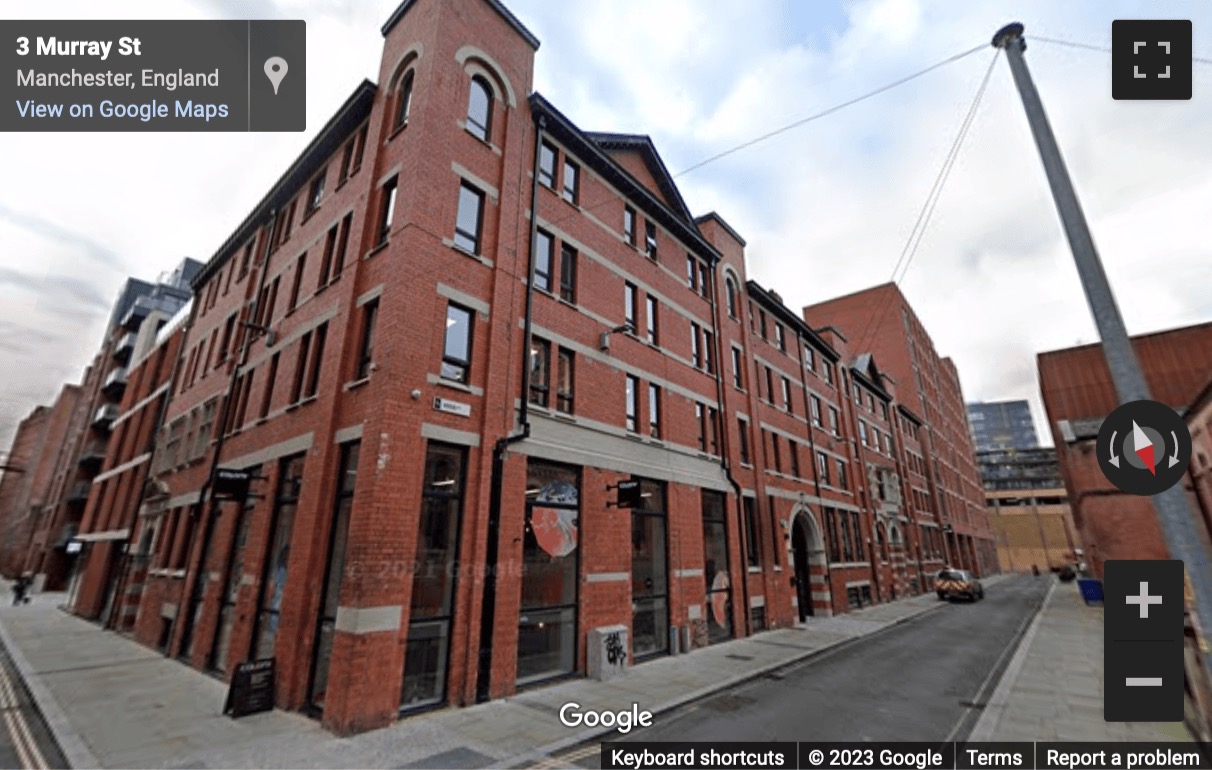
1052 689
114 703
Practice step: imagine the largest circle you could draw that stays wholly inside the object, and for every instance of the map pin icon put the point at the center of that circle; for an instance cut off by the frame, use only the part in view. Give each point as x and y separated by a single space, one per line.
275 70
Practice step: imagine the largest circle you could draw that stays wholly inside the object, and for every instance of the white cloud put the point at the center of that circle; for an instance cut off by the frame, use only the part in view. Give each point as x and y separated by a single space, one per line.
826 207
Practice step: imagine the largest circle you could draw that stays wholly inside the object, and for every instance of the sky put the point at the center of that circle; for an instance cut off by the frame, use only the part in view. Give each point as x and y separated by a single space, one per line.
827 207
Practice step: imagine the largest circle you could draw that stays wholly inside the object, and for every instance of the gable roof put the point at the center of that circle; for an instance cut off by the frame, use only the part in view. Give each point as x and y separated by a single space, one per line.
864 367
596 157
642 144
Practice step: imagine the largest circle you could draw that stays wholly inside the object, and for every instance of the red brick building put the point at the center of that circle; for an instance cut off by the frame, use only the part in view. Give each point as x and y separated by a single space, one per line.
946 482
25 488
1078 394
435 349
1199 422
112 568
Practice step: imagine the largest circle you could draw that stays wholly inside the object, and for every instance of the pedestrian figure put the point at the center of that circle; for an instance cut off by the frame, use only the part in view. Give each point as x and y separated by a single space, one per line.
1035 570
20 587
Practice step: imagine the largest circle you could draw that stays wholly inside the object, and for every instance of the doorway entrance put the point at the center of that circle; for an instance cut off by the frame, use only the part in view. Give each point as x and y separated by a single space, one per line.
807 552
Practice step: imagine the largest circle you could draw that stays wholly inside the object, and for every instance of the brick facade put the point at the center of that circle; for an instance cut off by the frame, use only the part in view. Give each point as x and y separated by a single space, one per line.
436 443
1078 395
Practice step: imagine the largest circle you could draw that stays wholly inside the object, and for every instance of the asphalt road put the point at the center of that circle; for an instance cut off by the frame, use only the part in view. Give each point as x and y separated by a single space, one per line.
923 680
25 741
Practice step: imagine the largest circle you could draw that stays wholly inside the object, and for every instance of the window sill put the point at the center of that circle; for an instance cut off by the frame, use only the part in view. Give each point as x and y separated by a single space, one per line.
456 385
468 253
397 130
310 213
355 384
746 465
376 250
573 204
755 570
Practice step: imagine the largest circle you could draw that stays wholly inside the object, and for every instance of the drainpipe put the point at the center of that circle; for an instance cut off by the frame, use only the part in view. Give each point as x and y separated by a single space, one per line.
206 508
489 600
725 463
816 476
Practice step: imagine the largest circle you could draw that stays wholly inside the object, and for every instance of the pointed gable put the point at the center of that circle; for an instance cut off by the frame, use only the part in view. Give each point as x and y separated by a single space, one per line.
638 156
865 367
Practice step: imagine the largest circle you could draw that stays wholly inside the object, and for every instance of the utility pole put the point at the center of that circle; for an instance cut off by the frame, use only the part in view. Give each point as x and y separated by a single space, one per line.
1173 512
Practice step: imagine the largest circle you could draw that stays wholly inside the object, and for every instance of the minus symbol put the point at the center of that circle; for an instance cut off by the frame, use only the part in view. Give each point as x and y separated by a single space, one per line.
1144 681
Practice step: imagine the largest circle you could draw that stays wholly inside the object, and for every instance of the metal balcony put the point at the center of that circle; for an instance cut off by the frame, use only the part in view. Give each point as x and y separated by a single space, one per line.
104 417
92 456
115 382
124 347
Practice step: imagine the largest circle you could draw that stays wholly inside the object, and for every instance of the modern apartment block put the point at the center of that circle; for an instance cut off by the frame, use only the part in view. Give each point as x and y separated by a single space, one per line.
1002 425
882 323
491 386
1078 395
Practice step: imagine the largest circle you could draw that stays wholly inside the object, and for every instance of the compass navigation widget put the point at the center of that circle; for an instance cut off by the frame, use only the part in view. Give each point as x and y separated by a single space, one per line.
1144 448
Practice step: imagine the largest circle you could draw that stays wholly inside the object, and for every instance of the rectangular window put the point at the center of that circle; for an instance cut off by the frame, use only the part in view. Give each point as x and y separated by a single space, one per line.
715 567
435 567
228 346
564 381
775 452
540 371
713 431
858 394
334 572
317 360
875 438
629 225
652 319
370 313
835 425
762 324
650 239
547 627
779 338
330 248
633 404
471 212
775 540
387 211
456 352
654 411
696 353
793 453
842 482
862 433
568 273
809 359
704 283
544 245
360 150
267 395
296 391
753 555
769 385
700 419
828 372
300 264
316 194
888 444
630 300
692 273
787 394
743 430
346 161
708 345
338 262
547 165
277 559
572 182
738 378
822 467
815 405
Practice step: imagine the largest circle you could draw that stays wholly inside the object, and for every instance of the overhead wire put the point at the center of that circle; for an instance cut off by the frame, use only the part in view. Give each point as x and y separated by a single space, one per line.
918 231
1098 48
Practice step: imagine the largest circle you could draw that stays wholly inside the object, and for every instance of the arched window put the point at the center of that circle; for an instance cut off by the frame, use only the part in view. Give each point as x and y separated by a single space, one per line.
479 109
404 98
730 292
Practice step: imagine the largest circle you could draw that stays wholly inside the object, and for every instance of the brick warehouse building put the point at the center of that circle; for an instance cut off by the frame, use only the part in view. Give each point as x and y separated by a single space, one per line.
435 442
111 572
948 482
1078 394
